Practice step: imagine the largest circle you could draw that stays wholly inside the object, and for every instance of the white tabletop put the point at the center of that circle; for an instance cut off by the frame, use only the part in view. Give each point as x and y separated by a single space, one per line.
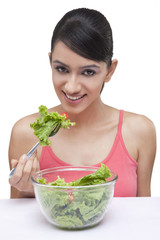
128 218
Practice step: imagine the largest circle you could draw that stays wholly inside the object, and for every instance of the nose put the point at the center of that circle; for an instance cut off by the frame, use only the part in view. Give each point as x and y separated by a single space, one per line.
72 85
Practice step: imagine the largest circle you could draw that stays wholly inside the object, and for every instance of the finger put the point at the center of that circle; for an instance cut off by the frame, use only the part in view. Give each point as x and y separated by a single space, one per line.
28 168
19 169
35 166
38 166
14 163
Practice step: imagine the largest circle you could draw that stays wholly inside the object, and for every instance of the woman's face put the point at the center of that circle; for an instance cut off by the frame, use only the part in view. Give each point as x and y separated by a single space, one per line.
77 80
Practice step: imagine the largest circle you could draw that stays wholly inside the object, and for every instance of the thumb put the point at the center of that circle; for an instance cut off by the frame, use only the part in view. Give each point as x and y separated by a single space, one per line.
14 163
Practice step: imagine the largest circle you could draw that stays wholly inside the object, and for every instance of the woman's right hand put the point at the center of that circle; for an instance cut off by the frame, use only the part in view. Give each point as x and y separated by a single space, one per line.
24 170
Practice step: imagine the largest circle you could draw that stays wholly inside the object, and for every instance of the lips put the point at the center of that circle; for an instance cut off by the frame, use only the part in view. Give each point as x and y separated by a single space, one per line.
75 99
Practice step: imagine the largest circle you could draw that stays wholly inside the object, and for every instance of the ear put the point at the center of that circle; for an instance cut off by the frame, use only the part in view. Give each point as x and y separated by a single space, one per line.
111 70
50 58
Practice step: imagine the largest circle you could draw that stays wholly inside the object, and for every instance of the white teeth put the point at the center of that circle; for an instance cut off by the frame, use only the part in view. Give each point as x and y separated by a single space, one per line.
73 98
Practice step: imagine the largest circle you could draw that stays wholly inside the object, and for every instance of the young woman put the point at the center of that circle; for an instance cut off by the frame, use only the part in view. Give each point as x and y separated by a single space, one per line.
81 63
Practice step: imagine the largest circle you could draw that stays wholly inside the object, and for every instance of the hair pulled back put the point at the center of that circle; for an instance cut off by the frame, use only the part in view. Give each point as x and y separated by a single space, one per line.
87 32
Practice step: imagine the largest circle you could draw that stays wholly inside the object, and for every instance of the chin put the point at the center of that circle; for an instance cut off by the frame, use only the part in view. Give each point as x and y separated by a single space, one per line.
76 110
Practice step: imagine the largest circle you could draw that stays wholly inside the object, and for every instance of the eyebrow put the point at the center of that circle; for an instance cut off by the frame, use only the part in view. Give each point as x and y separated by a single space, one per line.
87 66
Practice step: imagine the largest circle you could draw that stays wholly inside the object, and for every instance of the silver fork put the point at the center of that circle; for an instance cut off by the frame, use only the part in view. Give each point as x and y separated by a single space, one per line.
30 153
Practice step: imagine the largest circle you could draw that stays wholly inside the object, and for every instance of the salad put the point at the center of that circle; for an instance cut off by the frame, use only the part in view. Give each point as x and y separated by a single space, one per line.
45 124
76 207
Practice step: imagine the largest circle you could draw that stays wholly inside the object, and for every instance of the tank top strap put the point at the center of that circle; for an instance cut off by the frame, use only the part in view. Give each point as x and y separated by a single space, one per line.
120 121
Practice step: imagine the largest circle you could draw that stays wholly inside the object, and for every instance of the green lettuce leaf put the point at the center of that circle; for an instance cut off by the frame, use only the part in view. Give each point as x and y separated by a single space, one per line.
98 177
45 124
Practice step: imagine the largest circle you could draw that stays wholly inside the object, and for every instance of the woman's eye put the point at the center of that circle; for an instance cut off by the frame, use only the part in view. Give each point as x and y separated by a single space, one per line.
61 69
89 73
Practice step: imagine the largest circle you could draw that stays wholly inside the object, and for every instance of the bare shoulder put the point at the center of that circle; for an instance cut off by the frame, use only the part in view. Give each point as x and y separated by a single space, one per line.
22 126
139 135
139 125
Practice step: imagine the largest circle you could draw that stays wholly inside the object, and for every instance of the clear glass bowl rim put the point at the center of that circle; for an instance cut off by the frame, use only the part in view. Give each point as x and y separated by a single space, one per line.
84 168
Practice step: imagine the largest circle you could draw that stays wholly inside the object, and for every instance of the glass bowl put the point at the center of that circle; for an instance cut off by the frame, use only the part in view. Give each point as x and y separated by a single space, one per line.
73 207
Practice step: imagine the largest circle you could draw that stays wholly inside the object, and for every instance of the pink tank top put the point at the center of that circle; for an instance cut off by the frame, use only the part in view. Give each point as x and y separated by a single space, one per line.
118 160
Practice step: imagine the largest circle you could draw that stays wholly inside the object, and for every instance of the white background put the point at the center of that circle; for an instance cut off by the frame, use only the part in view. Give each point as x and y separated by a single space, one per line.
25 77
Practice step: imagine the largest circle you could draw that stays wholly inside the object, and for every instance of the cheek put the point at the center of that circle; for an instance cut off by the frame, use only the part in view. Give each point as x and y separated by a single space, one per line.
56 79
95 85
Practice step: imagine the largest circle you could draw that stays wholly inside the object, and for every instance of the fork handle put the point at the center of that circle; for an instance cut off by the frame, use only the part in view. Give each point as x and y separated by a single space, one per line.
29 154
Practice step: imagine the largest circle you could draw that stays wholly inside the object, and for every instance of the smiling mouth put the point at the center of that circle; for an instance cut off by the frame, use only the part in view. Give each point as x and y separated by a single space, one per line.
73 98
